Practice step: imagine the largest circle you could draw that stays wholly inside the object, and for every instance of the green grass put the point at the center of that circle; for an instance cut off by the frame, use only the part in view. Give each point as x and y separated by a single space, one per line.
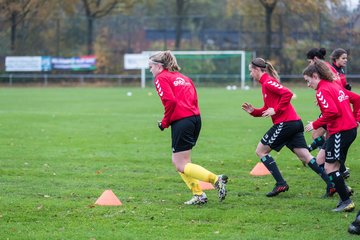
60 148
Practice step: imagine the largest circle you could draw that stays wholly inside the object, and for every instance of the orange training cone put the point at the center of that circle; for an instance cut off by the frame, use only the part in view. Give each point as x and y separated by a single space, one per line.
259 170
206 185
108 198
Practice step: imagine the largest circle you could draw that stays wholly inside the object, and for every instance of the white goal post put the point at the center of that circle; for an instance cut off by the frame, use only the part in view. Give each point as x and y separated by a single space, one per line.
140 61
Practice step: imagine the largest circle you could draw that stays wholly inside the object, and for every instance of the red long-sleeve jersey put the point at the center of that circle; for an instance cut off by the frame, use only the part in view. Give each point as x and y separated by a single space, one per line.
178 95
354 98
335 108
335 72
341 73
278 97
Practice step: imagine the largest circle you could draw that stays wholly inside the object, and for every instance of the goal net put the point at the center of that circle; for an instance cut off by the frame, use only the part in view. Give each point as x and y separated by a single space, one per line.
207 68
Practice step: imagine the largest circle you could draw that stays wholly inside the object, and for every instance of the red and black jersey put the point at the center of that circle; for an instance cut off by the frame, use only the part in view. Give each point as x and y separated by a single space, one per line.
336 74
335 108
178 95
278 97
341 72
354 98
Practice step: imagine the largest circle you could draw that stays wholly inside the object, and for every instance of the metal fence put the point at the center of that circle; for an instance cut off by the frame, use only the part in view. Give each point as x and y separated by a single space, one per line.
68 79
134 80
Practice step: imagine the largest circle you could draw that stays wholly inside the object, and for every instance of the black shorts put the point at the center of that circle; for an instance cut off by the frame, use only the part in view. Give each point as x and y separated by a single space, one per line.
184 133
289 133
337 145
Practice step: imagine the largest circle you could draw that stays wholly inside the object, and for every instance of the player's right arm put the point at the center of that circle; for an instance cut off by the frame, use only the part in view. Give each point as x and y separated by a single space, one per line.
167 98
328 109
255 112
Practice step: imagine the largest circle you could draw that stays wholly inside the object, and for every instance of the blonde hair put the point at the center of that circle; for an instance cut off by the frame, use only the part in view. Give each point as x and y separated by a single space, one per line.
265 67
321 68
167 60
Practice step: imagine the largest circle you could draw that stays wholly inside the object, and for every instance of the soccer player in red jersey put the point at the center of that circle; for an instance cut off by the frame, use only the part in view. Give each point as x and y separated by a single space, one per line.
339 120
318 135
339 58
288 129
179 98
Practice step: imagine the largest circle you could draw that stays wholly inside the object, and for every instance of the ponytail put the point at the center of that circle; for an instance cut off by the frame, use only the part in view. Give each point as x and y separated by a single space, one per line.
265 67
167 60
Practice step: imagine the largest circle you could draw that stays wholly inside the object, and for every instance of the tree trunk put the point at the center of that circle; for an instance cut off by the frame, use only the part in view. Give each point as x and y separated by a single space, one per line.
13 30
268 30
179 22
90 29
269 8
279 51
58 37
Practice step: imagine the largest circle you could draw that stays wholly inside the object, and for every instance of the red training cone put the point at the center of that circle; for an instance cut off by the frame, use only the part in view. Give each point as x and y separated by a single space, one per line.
259 170
108 198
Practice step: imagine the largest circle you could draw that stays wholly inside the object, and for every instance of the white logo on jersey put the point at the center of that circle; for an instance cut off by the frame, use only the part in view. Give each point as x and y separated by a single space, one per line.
275 84
322 100
342 96
180 82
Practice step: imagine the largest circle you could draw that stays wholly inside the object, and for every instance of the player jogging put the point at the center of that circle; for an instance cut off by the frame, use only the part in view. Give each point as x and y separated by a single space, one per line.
339 120
288 128
179 97
339 60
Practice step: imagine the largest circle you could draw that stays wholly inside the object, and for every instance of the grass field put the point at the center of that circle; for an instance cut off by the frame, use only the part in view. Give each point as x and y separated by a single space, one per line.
60 148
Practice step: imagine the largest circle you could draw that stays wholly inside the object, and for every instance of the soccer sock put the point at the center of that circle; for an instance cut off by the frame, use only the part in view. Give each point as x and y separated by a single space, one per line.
200 173
316 168
340 186
270 164
192 183
318 142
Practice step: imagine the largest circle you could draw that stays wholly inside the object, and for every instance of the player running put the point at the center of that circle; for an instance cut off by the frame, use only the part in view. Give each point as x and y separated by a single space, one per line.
339 120
288 129
178 95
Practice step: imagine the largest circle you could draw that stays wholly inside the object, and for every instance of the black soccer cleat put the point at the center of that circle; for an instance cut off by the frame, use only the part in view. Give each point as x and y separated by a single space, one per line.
354 227
278 189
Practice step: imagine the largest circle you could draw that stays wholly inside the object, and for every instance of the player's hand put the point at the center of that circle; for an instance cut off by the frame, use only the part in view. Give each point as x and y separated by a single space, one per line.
160 126
247 107
268 112
309 127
